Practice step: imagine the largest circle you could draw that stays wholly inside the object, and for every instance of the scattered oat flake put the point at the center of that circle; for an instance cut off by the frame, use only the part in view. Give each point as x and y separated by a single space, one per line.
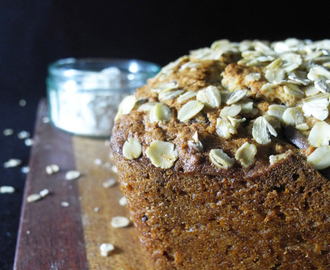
109 183
28 142
98 161
53 168
119 222
12 163
44 192
107 164
33 198
65 204
106 249
7 189
22 102
23 134
114 168
107 142
72 175
25 169
8 132
45 119
122 201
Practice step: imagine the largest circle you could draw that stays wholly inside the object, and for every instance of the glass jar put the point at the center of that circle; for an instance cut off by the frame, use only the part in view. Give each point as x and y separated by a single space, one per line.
84 94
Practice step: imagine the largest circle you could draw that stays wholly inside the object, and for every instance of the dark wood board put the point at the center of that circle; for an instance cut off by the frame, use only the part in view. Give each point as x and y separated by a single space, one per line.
55 237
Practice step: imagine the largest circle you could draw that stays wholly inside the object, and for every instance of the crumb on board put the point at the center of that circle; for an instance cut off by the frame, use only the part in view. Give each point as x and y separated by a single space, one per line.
37 196
13 162
109 183
7 189
33 198
25 169
122 201
119 222
65 204
8 132
72 175
51 169
23 134
106 249
44 192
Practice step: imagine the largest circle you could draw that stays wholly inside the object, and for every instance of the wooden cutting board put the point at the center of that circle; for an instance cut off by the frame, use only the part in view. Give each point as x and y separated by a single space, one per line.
55 237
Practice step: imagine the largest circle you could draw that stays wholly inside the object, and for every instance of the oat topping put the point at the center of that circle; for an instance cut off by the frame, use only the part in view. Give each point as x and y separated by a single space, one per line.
189 110
162 154
126 106
167 70
262 130
252 77
230 111
320 158
236 96
195 142
294 90
191 65
251 89
132 148
12 163
276 110
320 134
220 159
169 95
293 116
160 113
209 96
316 106
33 198
146 107
246 154
276 158
188 95
165 87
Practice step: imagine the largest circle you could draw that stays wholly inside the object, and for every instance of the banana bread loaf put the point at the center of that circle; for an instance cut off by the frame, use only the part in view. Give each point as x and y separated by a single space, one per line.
223 157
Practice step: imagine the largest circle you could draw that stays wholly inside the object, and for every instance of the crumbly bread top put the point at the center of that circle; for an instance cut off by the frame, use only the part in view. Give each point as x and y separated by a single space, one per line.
232 107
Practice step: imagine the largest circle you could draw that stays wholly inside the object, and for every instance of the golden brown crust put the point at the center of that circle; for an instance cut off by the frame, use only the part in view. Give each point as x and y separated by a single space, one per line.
197 213
272 218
